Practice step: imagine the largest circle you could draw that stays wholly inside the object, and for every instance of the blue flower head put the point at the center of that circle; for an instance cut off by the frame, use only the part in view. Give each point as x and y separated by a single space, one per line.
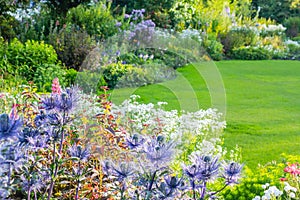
159 152
121 171
9 126
67 100
77 151
208 167
26 136
232 172
135 141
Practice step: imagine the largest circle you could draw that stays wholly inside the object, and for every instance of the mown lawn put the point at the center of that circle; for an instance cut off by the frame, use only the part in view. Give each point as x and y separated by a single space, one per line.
262 103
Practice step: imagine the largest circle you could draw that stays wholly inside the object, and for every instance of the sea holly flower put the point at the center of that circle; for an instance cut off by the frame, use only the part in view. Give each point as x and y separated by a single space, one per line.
10 125
232 172
135 141
27 135
158 152
77 151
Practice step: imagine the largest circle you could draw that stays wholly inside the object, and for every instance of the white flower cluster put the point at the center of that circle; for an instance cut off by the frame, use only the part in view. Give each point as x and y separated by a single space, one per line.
263 29
271 192
191 33
290 190
136 116
273 28
291 42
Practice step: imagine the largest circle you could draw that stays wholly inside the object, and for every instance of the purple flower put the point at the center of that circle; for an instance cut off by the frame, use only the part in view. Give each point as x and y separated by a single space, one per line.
77 151
118 24
135 141
67 100
232 172
49 103
27 136
208 167
121 171
9 126
159 152
167 189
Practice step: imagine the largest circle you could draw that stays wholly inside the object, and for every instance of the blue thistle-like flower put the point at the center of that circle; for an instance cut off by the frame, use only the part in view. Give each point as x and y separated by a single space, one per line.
232 172
77 151
67 100
9 126
135 141
10 155
120 171
169 187
173 182
208 167
40 119
191 171
49 103
159 152
27 135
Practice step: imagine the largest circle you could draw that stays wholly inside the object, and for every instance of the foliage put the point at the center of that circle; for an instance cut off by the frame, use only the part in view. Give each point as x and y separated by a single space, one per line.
7 24
59 8
45 73
212 16
96 20
275 9
214 48
293 26
25 58
34 61
293 49
238 37
156 10
71 45
250 53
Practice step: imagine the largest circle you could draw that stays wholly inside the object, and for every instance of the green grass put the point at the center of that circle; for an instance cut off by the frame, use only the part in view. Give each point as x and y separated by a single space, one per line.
262 103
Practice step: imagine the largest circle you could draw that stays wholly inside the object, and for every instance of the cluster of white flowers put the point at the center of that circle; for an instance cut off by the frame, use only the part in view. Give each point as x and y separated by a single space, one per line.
271 192
290 190
191 33
279 29
291 42
263 29
146 57
171 123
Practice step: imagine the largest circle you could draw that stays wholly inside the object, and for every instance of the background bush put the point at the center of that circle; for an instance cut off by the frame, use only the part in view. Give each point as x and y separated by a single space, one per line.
237 37
251 53
293 26
72 45
96 20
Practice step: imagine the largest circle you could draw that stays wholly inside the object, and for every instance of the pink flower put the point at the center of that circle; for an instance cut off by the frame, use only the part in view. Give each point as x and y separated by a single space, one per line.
293 169
56 87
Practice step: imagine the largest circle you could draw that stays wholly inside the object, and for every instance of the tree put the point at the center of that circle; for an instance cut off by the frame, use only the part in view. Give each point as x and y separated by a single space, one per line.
278 10
59 8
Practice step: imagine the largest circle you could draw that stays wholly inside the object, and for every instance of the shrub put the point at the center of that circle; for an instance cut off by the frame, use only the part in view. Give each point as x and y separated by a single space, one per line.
293 26
71 45
250 53
214 48
70 77
237 37
45 73
25 58
96 20
148 73
7 24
